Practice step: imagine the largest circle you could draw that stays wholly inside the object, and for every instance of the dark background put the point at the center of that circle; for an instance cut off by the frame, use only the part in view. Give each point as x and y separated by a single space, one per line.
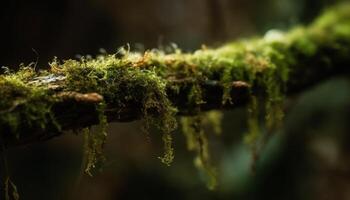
66 28
307 159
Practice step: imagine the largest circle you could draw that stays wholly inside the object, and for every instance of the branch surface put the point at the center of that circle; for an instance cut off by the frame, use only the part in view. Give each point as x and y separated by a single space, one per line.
155 85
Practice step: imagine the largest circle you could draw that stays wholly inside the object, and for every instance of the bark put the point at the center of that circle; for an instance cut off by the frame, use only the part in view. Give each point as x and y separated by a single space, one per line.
310 54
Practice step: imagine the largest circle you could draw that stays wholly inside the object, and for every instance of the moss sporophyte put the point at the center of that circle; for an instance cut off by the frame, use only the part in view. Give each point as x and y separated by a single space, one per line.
156 86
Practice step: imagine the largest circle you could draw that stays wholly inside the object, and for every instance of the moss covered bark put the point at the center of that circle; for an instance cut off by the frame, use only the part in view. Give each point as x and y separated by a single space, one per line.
157 86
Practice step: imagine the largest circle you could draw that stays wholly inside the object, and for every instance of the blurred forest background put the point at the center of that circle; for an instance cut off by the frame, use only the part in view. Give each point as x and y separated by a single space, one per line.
307 159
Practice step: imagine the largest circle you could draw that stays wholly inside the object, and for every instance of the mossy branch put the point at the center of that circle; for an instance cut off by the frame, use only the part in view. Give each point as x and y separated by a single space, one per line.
156 86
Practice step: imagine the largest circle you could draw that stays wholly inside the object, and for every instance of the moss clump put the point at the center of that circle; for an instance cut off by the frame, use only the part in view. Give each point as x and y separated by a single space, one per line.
24 105
141 79
136 85
122 84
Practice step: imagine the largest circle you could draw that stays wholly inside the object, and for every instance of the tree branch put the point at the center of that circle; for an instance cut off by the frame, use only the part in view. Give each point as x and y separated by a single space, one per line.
37 106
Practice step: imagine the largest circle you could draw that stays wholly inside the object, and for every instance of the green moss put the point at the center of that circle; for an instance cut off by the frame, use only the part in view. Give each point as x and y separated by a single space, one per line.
93 150
141 80
195 97
253 138
192 128
24 105
168 156
10 190
196 139
213 119
94 142
123 84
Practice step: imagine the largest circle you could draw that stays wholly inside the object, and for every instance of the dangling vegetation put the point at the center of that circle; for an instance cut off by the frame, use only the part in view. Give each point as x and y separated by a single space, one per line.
197 141
156 86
